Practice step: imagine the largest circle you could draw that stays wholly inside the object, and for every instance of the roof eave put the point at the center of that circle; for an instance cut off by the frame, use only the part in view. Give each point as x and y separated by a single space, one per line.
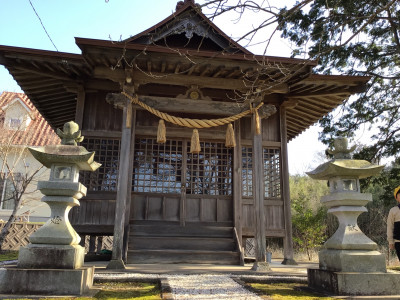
84 42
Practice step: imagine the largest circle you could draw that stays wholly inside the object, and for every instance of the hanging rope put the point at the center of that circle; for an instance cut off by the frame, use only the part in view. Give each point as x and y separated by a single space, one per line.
191 123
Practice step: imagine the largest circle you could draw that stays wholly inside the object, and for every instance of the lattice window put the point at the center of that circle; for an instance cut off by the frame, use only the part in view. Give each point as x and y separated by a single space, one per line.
210 171
247 171
157 167
272 174
104 178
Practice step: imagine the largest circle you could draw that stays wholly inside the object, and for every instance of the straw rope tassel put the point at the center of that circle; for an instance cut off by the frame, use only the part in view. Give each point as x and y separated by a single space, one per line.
195 142
257 120
161 132
230 141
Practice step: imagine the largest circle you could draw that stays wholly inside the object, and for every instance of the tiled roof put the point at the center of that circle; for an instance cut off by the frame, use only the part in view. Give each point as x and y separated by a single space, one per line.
38 132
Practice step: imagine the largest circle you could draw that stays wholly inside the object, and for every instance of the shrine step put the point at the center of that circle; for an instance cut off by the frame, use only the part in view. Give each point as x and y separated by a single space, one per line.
181 231
183 257
172 243
182 243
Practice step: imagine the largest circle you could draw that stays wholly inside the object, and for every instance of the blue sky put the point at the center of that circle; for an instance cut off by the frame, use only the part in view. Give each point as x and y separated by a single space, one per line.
64 20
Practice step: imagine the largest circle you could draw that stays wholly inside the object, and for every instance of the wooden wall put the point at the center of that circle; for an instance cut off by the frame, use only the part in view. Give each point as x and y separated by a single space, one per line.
95 215
99 115
273 207
98 208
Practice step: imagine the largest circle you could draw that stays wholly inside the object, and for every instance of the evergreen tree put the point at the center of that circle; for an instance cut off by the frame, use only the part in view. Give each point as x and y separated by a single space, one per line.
346 37
355 38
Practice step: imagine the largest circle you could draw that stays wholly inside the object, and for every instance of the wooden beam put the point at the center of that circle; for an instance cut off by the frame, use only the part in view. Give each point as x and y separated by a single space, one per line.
216 108
337 91
176 105
118 75
205 134
101 133
59 99
55 75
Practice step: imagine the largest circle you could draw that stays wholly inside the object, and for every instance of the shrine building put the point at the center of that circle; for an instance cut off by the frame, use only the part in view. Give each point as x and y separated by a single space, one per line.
191 130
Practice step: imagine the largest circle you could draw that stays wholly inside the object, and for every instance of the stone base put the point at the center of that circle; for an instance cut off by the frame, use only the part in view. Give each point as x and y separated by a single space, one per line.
116 264
261 267
363 261
289 262
17 281
42 256
346 283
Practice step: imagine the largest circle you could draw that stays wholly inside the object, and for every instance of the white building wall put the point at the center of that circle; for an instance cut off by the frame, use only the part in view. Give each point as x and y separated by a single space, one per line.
32 208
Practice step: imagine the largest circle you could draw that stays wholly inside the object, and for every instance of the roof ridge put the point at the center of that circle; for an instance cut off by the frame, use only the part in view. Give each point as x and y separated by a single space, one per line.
181 7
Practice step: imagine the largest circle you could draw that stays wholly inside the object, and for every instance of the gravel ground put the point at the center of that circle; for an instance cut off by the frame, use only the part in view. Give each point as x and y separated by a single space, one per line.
194 287
208 287
203 286
8 262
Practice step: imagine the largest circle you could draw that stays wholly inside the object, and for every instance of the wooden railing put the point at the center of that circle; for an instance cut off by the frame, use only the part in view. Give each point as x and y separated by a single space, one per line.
239 246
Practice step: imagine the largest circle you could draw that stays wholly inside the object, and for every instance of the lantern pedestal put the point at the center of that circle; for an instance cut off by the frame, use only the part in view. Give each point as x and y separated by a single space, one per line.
351 260
354 283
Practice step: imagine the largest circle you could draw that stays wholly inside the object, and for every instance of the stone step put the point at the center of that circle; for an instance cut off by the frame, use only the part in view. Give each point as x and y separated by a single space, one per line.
147 256
182 243
180 231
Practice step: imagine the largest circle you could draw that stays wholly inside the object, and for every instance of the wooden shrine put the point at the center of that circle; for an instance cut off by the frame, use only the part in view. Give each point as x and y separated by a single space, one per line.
161 201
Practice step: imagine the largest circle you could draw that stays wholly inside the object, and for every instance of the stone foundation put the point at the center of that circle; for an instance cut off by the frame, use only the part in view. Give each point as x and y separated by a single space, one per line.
16 281
354 283
360 261
42 256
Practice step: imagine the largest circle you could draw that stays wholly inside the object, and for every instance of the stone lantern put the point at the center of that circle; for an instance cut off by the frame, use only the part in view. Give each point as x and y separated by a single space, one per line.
349 261
52 263
349 249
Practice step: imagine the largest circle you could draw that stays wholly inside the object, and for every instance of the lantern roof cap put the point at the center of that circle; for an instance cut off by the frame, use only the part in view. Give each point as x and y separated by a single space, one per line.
346 168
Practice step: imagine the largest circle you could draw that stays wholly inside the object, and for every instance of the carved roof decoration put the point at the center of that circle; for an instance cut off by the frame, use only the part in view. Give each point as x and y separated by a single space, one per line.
190 22
52 79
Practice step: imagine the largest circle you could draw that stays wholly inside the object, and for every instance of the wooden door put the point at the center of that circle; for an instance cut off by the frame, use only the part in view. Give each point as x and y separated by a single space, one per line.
170 184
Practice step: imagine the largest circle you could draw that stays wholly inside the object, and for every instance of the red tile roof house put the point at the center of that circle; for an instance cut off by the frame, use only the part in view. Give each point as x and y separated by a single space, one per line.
21 125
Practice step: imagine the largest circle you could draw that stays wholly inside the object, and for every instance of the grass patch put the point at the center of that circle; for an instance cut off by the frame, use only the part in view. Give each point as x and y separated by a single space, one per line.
287 291
120 290
129 290
8 255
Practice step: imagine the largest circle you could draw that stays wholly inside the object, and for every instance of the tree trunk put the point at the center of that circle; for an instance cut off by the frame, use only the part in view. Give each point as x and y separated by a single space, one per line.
5 230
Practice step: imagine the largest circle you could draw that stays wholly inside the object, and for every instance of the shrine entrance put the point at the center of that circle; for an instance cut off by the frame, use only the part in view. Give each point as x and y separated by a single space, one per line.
171 184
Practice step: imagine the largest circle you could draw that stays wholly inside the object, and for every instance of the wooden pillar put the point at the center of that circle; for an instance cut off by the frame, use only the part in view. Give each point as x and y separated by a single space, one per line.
237 182
260 263
99 244
83 240
129 193
288 239
92 244
122 189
